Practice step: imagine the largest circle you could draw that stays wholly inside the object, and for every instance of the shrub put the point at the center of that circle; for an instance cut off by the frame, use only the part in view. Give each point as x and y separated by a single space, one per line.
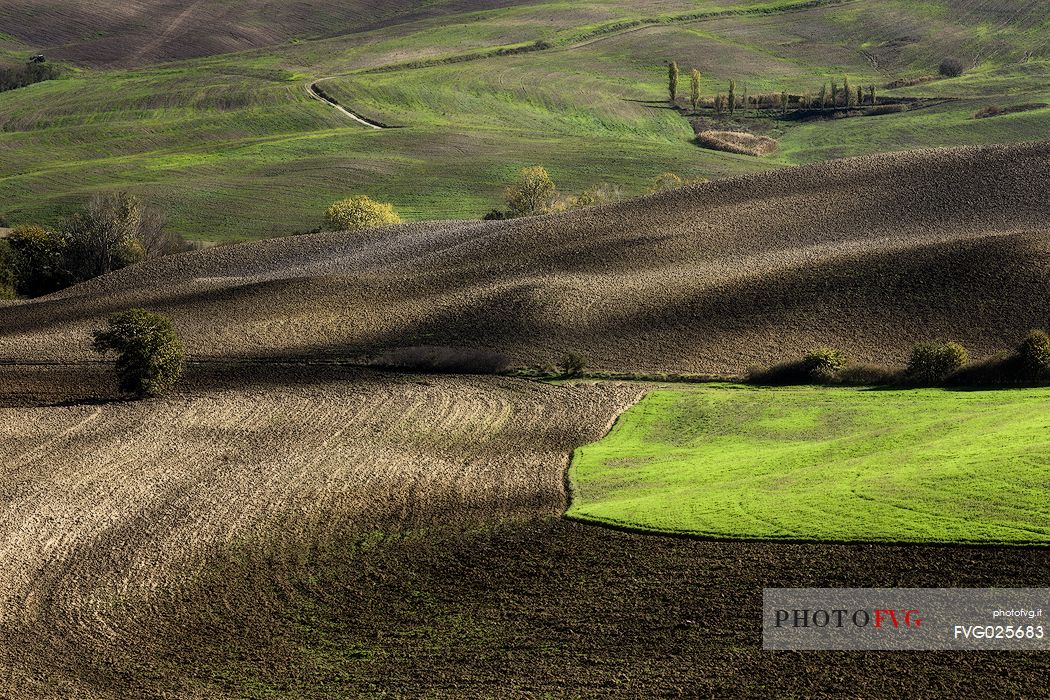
359 213
933 362
533 193
14 77
667 181
602 193
572 365
445 359
7 271
867 375
822 364
38 259
951 68
1034 355
150 358
496 215
879 110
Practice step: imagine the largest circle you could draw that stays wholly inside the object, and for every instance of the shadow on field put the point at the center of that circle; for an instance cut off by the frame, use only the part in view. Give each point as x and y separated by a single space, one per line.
548 608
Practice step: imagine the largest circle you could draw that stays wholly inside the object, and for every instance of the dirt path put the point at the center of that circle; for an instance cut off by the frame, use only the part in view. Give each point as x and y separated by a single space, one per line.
313 91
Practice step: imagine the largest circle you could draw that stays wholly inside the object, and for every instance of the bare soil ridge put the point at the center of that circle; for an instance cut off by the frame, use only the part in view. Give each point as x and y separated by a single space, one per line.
870 254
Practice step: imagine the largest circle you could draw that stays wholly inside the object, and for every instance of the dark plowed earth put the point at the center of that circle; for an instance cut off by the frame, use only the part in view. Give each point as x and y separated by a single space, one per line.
870 254
555 609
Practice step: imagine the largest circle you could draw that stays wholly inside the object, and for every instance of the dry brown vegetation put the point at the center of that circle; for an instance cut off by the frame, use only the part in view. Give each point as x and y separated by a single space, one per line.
738 142
867 255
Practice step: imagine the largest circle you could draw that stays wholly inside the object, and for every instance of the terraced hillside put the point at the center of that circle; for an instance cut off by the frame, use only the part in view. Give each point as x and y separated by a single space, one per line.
483 91
870 254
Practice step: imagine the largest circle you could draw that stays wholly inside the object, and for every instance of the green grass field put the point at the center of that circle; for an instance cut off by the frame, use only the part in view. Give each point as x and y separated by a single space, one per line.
233 147
825 464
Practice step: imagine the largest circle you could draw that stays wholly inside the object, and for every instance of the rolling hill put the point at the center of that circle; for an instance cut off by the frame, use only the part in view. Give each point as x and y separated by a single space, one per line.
481 89
131 34
869 254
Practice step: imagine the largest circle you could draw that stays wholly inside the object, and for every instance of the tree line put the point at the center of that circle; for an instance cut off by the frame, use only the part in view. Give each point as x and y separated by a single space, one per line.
112 231
831 95
14 77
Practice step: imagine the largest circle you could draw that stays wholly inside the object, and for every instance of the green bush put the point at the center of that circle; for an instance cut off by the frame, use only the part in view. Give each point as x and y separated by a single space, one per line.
572 365
7 271
934 362
1034 355
534 193
150 358
359 213
822 364
38 260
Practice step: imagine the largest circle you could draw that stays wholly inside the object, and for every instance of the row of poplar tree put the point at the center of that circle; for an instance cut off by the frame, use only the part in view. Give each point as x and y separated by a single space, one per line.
837 96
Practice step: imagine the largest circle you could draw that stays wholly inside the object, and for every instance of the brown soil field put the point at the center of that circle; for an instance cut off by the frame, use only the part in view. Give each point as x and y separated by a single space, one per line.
116 514
737 142
870 255
149 31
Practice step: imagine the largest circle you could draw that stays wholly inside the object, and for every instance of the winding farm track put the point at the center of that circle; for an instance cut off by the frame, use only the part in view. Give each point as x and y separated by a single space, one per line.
111 513
313 91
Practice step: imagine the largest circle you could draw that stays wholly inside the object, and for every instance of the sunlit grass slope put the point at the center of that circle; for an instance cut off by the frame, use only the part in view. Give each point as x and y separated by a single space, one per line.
234 148
825 464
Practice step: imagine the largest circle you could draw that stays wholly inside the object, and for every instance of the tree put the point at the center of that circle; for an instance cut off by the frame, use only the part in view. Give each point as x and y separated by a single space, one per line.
874 95
150 358
746 101
572 365
848 91
104 236
38 260
534 193
694 92
672 81
834 94
951 68
359 213
823 96
732 96
860 95
785 100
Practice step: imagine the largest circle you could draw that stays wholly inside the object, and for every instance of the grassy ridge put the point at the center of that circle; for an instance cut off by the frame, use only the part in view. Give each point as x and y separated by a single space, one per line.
234 148
812 464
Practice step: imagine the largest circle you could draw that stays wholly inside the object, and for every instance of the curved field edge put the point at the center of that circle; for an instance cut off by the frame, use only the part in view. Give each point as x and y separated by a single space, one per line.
822 466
